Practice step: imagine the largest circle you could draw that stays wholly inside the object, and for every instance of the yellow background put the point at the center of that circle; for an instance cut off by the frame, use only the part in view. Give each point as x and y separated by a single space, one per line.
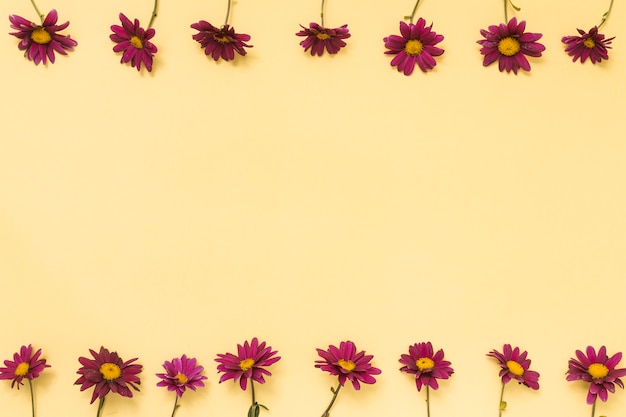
309 200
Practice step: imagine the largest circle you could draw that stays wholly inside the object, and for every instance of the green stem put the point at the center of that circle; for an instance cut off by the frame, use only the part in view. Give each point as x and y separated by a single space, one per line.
100 405
252 386
506 3
37 10
154 13
606 15
175 406
427 401
225 23
32 396
335 392
413 12
322 12
501 401
593 408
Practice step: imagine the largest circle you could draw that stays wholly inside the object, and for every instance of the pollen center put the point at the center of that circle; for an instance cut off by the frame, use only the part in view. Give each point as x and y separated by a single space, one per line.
508 46
322 36
40 36
110 371
413 47
425 364
515 368
136 42
598 370
221 39
589 43
246 364
346 365
22 369
182 378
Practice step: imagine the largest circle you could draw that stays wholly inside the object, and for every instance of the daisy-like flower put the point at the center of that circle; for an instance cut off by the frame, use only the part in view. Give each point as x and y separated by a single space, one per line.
347 364
220 42
134 43
40 42
514 365
416 45
107 372
319 38
25 364
598 370
248 364
592 45
180 374
509 45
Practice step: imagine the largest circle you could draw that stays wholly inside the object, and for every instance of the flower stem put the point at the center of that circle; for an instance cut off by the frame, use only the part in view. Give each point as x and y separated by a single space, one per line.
506 3
225 23
154 13
32 396
427 401
176 405
413 12
322 12
100 405
39 13
593 408
502 405
604 17
335 392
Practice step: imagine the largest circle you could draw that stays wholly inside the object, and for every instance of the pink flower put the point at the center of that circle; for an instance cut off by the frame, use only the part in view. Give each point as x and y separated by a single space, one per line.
247 364
415 46
347 364
319 38
509 44
25 364
107 372
592 45
39 42
426 365
598 370
220 43
514 365
134 42
181 373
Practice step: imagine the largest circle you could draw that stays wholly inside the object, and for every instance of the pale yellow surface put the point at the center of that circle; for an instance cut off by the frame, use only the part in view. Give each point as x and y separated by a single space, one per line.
310 200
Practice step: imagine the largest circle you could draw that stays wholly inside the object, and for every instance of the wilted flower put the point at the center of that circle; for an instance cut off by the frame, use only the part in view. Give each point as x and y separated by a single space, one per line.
134 43
592 45
220 42
39 42
319 38
509 44
415 46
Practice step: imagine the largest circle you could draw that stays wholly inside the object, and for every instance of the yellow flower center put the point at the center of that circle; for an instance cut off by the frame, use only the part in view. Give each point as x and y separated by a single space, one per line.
221 39
322 36
598 371
136 42
40 36
182 378
508 46
515 368
346 365
22 369
589 43
246 364
424 364
413 47
110 371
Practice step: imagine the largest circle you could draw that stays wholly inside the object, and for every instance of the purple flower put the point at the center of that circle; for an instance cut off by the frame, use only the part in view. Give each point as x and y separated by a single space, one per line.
319 38
134 42
107 372
247 364
426 365
25 364
514 365
220 43
415 46
509 44
181 373
39 42
347 364
597 369
592 45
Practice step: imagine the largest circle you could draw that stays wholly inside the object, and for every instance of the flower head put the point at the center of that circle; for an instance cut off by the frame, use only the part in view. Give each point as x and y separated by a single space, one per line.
319 38
107 372
25 364
247 364
220 42
415 46
515 366
346 363
597 369
181 373
509 44
39 42
426 365
134 42
592 45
